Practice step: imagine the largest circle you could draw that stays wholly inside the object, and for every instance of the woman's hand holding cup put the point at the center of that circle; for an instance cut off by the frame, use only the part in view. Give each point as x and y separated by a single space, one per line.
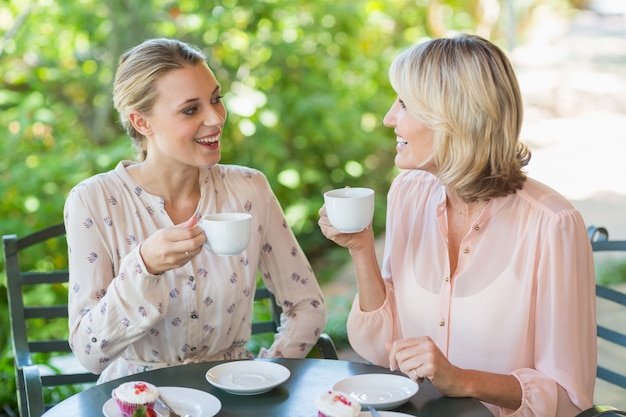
346 214
227 234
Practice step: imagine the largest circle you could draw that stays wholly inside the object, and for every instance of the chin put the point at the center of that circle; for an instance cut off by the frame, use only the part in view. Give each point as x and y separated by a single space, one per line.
402 164
212 162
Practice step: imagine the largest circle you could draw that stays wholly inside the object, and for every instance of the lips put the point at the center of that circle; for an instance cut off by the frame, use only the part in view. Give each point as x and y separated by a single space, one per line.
207 140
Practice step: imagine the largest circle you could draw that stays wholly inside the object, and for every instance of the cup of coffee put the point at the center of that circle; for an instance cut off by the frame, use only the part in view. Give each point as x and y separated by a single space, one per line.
350 210
227 234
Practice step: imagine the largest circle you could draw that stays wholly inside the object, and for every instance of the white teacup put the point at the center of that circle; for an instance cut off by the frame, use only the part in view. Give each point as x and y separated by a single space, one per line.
350 210
227 233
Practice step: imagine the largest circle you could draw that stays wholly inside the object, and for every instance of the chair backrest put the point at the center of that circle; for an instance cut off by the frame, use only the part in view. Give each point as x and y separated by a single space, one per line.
324 348
600 242
601 410
31 357
265 297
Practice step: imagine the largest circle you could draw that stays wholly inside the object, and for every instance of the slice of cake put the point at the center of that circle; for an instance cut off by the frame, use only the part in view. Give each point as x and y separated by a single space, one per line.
134 396
336 404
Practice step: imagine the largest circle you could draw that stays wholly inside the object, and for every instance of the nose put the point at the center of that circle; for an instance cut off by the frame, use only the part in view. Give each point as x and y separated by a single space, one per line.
214 115
390 118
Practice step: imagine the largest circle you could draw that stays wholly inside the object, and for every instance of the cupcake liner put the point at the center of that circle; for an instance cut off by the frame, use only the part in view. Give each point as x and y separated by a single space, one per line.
128 408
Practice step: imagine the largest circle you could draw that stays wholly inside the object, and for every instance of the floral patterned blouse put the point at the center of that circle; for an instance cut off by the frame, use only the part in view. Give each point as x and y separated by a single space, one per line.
124 320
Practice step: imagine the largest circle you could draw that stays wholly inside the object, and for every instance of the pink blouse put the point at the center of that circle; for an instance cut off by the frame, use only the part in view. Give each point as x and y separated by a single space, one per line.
521 301
124 320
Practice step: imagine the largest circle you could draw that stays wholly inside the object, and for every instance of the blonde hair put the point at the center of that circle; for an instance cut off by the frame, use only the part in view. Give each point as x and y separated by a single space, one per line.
465 89
138 71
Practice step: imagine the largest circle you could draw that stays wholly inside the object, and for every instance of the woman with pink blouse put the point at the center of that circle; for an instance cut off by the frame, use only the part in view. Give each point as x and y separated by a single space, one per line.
144 293
487 281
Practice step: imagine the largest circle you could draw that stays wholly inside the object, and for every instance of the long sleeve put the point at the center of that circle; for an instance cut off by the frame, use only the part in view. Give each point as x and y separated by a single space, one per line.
565 327
287 273
369 331
108 309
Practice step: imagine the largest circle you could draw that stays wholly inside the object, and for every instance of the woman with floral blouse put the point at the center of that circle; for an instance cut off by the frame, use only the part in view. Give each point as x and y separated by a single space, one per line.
144 292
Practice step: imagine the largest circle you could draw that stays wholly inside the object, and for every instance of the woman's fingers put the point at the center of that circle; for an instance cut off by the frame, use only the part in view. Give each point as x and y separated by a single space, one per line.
412 356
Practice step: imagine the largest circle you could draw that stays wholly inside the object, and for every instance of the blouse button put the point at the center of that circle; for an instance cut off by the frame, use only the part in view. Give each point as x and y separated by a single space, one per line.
94 339
466 251
477 228
447 279
442 323
191 279
193 349
194 315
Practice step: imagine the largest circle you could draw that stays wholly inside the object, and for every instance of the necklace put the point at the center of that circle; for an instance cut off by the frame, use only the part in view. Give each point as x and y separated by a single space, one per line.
461 212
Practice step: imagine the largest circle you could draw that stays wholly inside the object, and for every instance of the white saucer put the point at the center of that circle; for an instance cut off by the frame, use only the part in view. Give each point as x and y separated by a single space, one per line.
182 400
381 391
385 414
247 377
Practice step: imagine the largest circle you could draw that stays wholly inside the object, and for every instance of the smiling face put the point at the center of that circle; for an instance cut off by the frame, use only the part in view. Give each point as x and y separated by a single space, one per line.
185 124
414 139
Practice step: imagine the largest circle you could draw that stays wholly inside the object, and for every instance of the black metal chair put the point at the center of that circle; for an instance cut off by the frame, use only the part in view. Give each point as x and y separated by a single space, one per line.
600 243
31 383
601 410
324 348
599 237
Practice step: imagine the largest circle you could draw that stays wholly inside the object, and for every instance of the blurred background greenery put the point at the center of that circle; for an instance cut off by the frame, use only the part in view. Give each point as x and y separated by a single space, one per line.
305 85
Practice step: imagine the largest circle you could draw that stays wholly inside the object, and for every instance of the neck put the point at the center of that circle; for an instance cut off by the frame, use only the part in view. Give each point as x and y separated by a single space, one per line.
460 207
169 185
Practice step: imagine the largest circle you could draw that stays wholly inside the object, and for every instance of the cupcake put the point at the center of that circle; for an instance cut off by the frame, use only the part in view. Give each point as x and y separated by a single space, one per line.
130 396
336 404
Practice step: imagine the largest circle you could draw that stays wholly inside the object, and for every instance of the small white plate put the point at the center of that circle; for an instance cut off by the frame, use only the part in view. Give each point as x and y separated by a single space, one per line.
385 414
381 391
182 400
247 377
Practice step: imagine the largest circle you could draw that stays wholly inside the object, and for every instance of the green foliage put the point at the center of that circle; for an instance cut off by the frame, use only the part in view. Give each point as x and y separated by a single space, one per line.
305 84
336 323
610 269
261 312
8 388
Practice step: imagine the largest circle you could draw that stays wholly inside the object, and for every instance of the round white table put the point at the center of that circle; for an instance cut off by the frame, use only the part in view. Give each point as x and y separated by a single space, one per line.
294 398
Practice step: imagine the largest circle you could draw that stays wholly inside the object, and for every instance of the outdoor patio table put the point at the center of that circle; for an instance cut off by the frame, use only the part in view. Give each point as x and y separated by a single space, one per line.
294 398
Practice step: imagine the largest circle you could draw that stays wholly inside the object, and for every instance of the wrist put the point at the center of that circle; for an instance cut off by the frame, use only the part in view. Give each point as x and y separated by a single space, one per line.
467 384
147 267
364 245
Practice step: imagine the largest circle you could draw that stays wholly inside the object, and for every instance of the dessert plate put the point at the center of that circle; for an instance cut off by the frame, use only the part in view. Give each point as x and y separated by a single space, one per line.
381 391
182 400
247 377
385 414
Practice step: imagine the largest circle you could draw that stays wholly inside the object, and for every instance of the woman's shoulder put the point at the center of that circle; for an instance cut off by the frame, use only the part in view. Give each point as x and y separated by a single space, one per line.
238 176
415 178
235 171
417 175
544 197
101 181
